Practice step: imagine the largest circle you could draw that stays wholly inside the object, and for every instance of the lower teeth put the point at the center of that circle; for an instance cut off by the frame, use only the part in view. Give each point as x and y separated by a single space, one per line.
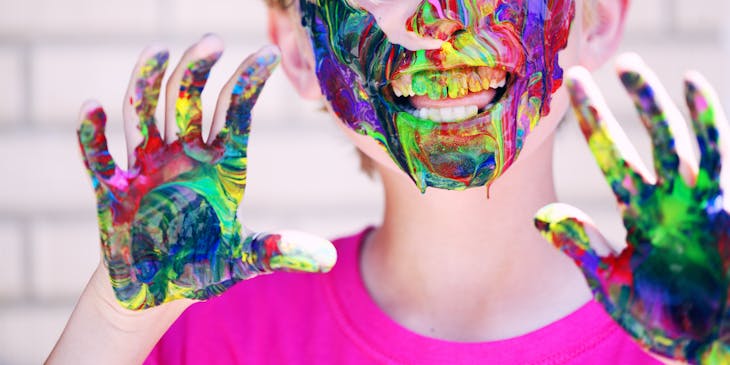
451 114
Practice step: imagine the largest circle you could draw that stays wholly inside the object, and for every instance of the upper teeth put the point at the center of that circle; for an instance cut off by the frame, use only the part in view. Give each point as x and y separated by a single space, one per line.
452 83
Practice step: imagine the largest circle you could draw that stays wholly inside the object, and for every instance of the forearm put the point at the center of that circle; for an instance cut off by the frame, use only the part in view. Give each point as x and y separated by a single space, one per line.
102 332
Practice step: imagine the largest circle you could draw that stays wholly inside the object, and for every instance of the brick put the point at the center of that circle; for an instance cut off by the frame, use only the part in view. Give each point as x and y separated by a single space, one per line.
243 19
646 17
63 76
11 270
28 333
79 17
47 173
297 167
65 253
707 15
102 72
670 59
287 166
13 91
340 221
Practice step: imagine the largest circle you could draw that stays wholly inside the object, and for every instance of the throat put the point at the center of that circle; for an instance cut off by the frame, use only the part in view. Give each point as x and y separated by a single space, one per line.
466 297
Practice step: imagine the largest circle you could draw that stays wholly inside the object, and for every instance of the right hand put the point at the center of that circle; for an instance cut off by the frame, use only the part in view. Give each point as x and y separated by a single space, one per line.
667 286
168 223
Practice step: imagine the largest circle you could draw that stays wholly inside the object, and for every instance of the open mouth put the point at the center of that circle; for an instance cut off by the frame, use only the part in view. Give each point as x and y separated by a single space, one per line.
448 96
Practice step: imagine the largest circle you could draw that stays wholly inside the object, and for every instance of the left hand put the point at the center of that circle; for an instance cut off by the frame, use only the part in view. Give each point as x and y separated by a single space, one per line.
668 286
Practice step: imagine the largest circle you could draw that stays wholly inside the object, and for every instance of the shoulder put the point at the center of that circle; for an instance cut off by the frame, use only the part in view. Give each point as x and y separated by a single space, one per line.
603 341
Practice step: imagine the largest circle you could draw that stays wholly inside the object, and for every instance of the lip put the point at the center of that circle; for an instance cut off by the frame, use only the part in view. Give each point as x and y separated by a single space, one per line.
453 56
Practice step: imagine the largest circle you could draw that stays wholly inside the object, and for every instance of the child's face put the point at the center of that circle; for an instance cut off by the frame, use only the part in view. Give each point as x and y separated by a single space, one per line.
450 88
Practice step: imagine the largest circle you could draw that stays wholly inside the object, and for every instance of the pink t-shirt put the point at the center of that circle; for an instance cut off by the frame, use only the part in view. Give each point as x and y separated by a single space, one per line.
291 318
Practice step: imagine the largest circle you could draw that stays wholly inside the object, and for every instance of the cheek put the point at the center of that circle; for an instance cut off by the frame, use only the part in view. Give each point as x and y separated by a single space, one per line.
546 128
370 147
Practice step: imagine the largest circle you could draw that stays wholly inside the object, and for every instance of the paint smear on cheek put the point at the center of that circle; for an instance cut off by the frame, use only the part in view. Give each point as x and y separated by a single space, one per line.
362 71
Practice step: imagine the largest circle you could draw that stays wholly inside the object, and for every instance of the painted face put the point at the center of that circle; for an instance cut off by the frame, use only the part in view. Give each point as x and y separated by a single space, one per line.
450 88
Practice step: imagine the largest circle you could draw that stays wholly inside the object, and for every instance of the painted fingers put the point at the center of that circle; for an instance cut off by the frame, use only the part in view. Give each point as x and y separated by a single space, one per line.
670 137
232 120
573 232
92 140
614 153
140 104
711 129
184 113
287 251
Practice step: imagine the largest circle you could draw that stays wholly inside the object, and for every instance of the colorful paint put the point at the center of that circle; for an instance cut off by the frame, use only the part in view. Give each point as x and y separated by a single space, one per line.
505 49
669 287
168 225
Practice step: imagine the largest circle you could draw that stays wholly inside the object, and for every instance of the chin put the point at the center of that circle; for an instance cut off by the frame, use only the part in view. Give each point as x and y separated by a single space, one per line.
451 118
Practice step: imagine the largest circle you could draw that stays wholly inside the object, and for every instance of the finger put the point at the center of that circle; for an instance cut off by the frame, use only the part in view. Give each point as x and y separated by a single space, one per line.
238 96
672 148
710 126
286 251
615 155
184 89
92 139
140 103
232 139
572 231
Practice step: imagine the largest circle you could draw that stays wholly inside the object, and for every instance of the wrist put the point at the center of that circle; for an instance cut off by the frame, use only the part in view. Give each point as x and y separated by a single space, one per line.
100 297
101 331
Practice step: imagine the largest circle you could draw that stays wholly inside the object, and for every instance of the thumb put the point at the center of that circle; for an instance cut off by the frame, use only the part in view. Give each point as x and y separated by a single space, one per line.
574 233
288 251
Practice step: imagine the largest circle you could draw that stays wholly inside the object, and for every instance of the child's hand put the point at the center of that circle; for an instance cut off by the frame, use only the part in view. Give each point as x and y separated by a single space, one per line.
668 286
168 224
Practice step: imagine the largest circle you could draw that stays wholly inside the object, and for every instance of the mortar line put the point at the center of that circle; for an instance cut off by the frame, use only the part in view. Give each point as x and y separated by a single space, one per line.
27 79
670 13
28 292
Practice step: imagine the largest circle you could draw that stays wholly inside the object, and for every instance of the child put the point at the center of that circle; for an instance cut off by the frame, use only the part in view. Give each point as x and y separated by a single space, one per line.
442 96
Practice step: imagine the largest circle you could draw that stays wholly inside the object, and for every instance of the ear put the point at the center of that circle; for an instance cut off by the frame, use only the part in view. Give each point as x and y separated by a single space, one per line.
603 29
297 58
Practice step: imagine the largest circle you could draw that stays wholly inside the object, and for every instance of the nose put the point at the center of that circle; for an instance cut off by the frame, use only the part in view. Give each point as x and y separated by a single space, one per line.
436 20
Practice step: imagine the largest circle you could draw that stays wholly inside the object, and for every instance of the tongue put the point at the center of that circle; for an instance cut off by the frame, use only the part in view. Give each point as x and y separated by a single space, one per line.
480 99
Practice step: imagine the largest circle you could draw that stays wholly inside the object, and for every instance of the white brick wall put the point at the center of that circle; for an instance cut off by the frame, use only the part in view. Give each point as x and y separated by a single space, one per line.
303 172
65 253
12 92
12 270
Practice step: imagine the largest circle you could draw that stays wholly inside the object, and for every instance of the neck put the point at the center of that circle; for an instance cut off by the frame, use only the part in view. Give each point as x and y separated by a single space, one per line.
462 266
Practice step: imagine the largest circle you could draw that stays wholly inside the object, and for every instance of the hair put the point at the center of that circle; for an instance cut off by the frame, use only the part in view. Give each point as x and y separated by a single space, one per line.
279 4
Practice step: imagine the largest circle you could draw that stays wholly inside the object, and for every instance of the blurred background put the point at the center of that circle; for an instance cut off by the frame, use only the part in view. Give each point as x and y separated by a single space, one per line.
303 172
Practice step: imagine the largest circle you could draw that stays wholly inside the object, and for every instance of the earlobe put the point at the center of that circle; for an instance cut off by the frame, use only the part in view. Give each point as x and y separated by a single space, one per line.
297 59
602 31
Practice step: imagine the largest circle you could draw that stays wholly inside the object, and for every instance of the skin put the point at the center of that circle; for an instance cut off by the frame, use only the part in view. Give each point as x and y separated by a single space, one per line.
667 329
497 296
151 256
668 287
509 281
504 35
168 225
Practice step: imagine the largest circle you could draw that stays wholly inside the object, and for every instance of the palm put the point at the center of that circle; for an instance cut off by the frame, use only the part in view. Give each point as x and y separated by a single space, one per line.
168 225
668 288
